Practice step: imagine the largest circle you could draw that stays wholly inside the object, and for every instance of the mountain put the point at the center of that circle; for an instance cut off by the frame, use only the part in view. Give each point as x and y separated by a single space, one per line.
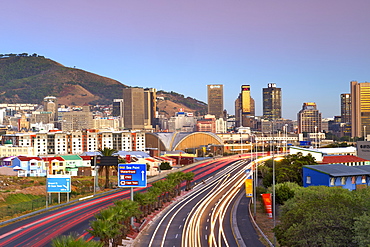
29 78
169 103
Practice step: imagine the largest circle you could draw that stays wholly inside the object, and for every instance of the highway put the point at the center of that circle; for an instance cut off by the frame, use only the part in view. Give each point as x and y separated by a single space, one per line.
40 229
205 216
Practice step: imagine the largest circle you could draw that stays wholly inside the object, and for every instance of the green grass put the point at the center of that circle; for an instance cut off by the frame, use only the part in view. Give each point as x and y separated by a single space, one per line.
19 198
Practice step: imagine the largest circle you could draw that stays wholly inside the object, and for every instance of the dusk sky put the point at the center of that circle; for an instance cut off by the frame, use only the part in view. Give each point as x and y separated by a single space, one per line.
311 49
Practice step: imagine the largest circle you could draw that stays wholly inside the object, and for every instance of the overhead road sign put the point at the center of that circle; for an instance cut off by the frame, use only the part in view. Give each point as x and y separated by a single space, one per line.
132 175
58 183
106 160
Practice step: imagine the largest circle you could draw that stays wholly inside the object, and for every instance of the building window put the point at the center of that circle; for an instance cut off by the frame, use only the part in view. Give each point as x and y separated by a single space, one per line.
343 180
308 180
332 181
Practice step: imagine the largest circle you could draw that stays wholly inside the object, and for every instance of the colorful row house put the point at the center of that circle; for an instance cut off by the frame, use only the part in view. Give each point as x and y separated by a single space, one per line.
73 165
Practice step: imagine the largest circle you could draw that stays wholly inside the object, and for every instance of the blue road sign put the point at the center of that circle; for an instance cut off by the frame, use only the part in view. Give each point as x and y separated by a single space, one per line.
131 175
57 184
249 173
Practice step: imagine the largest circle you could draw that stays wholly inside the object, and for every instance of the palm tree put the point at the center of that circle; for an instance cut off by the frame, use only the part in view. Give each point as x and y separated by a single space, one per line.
74 241
105 230
189 176
106 152
125 209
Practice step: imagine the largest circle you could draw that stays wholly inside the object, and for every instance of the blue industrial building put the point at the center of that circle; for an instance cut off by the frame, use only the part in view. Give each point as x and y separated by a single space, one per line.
337 175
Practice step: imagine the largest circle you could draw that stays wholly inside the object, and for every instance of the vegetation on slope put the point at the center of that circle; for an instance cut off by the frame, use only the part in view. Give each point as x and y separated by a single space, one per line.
29 78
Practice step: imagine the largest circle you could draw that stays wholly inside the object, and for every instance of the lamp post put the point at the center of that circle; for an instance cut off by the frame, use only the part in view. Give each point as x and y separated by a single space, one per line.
255 181
273 182
315 136
95 173
365 133
286 137
241 143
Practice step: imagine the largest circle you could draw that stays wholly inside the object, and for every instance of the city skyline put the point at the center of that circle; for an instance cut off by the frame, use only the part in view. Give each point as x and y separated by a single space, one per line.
311 50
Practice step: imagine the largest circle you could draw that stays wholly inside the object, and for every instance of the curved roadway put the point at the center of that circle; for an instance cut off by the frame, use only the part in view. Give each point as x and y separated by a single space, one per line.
39 230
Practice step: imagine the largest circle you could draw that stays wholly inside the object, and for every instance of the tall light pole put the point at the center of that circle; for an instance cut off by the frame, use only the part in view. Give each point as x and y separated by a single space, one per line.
273 182
241 143
315 136
365 133
286 137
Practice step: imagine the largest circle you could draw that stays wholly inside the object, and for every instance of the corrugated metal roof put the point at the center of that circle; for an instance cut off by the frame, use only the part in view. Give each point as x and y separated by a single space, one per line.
340 170
137 154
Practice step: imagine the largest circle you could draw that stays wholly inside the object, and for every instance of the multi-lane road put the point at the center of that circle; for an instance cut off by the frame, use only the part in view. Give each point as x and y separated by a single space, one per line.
207 216
40 229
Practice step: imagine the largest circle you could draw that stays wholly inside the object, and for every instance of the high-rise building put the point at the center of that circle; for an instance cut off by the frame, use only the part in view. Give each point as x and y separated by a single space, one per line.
244 108
215 100
345 107
117 109
133 108
51 105
246 100
360 108
271 102
150 107
309 119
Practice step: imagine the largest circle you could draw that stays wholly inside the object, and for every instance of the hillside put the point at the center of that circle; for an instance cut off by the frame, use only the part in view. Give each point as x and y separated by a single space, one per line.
29 78
173 102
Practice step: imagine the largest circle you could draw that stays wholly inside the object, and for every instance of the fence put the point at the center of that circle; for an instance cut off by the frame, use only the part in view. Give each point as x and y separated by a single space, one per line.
29 206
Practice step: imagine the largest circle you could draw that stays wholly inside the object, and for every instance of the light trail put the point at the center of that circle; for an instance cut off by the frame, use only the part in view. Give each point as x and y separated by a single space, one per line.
193 223
193 194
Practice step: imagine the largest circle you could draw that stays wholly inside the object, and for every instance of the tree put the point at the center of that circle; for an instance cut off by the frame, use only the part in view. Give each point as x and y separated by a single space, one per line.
105 230
319 216
285 191
189 176
73 241
106 152
288 169
124 210
165 166
361 228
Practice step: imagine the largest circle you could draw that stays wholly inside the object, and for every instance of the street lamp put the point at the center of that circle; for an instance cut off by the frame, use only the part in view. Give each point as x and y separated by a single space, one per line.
365 132
286 137
273 182
315 136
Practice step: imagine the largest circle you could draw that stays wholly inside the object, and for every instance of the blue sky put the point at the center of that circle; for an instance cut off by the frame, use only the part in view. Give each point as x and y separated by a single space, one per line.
311 49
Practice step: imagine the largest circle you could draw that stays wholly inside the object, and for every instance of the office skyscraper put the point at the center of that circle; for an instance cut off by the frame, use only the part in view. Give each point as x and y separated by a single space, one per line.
244 107
215 100
150 107
133 109
246 100
309 119
271 102
360 108
117 110
345 107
